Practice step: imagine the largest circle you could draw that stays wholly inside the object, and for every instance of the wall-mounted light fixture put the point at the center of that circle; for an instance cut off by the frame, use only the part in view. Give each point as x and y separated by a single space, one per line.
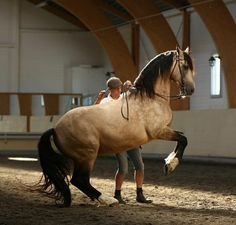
212 61
109 74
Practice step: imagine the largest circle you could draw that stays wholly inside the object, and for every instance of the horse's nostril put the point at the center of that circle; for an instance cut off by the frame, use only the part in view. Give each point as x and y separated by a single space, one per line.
190 90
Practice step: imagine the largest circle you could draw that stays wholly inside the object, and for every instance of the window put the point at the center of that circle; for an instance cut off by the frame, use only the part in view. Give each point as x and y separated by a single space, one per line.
88 100
74 102
42 101
214 62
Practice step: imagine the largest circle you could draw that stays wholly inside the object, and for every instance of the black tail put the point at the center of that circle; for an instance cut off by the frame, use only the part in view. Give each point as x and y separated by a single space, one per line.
55 171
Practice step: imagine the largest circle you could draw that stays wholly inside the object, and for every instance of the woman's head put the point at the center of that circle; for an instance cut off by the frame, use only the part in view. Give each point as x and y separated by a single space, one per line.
115 86
114 82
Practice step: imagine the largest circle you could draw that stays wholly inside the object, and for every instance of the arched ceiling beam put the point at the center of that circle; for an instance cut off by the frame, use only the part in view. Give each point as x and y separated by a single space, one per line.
108 35
159 32
153 22
175 3
221 26
110 9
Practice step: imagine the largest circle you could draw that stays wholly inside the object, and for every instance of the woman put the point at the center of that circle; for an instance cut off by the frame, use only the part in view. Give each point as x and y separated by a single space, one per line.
114 86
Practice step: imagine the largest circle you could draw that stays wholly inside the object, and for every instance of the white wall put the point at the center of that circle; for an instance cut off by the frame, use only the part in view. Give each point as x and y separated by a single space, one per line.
60 46
88 80
210 133
38 51
37 48
8 44
203 47
147 51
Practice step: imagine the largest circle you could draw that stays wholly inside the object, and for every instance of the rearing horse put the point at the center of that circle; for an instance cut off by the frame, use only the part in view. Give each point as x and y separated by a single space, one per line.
84 133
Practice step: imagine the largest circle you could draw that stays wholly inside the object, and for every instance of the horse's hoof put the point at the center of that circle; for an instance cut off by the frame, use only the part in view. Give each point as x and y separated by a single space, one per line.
114 204
106 200
170 167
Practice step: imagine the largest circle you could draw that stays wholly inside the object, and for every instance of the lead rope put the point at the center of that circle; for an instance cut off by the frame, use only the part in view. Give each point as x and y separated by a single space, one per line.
125 99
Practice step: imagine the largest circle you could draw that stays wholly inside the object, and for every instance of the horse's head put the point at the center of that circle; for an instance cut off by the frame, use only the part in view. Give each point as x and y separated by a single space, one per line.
174 65
183 71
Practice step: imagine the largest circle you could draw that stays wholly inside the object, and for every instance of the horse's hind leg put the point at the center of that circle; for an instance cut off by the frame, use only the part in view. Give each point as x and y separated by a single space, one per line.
81 179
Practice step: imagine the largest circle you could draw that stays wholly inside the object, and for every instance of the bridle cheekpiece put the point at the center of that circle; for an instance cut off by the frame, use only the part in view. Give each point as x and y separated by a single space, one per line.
183 92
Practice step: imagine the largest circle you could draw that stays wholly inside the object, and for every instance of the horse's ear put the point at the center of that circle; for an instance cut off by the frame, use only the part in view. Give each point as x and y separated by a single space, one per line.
187 50
178 50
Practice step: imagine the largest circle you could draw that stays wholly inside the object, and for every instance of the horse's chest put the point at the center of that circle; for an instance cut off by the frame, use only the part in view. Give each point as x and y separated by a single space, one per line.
161 116
157 120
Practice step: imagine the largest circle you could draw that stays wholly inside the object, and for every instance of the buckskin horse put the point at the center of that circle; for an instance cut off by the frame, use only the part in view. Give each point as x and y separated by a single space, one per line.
141 115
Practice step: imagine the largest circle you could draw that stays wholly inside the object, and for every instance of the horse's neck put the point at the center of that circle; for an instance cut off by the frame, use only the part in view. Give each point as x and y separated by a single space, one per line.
162 87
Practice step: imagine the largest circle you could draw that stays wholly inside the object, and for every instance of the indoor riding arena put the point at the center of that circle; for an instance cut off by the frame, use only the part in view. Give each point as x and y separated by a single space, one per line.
56 57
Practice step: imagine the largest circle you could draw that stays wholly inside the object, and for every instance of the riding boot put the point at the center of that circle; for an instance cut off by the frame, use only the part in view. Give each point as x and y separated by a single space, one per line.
118 197
141 198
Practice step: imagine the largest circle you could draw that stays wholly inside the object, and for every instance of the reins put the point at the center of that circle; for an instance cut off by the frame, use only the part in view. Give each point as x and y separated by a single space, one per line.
125 99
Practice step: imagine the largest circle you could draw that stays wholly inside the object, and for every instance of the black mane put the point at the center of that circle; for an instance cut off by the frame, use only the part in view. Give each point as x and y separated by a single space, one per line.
159 66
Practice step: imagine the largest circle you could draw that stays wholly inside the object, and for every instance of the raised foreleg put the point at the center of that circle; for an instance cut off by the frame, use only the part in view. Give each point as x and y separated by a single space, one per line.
175 157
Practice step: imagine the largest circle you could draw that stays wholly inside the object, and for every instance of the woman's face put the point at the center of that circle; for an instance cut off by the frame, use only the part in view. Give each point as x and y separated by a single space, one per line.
115 92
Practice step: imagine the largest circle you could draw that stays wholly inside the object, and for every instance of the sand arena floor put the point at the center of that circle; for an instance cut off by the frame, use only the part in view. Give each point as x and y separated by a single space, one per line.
194 194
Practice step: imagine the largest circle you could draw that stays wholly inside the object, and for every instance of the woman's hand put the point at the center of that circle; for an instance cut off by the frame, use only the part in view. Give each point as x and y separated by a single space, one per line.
127 85
101 96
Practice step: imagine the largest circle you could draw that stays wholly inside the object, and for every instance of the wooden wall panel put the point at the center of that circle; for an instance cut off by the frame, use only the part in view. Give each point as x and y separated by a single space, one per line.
51 102
186 30
5 104
136 45
153 22
183 104
25 104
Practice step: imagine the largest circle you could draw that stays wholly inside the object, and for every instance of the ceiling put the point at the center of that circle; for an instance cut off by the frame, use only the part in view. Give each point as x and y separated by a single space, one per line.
111 8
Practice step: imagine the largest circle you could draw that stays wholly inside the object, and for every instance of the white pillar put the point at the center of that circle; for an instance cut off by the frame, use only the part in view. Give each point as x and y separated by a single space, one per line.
14 56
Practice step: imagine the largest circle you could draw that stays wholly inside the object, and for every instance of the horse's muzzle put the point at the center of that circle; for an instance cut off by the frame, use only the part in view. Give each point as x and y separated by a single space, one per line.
188 89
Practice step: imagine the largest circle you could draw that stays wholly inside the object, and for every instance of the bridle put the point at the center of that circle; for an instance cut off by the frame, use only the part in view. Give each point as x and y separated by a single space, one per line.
182 94
183 91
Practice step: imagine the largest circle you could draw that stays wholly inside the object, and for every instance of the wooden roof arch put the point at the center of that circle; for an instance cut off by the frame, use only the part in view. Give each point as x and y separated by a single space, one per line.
93 15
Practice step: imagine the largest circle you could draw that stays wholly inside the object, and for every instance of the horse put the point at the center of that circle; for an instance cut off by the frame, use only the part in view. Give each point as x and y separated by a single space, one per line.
141 115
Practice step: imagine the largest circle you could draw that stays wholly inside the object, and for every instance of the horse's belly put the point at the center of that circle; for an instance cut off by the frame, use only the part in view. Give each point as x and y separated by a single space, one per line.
120 145
106 150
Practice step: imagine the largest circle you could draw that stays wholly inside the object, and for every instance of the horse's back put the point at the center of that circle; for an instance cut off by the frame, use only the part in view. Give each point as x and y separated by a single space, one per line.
83 124
99 126
72 131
